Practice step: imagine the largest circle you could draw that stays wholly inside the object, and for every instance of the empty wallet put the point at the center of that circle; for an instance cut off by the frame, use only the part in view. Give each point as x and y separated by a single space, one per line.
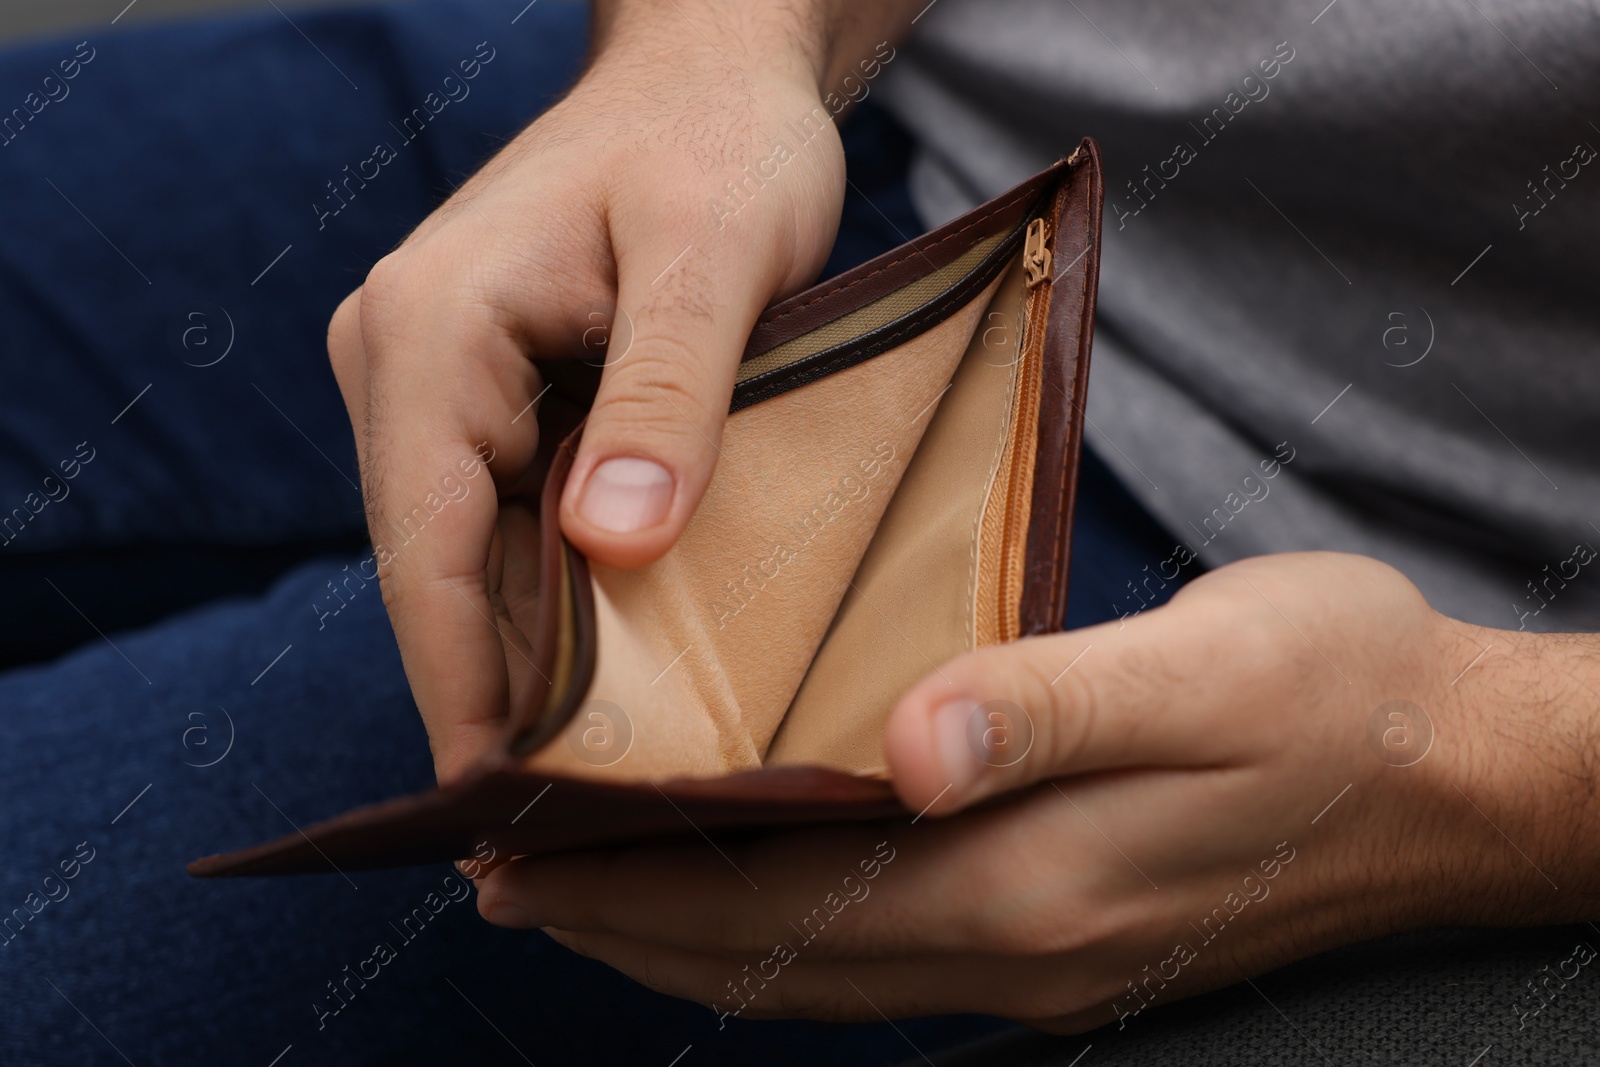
895 487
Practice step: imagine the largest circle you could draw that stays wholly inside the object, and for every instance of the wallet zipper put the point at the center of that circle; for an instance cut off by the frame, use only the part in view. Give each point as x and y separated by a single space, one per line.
1036 258
1037 265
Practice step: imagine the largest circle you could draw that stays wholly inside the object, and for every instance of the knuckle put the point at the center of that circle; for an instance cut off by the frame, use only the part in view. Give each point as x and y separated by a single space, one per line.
389 591
661 360
653 397
626 424
1007 927
344 333
1004 918
1264 649
1025 909
1071 708
385 301
388 283
998 927
405 297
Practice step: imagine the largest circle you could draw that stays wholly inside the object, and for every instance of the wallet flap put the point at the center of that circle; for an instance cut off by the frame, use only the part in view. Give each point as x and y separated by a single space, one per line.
518 813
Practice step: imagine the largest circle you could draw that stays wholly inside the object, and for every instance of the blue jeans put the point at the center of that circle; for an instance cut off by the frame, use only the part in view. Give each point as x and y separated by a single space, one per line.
191 657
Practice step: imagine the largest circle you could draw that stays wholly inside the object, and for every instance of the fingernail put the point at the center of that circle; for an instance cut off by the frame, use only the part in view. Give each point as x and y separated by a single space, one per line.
511 917
626 494
952 741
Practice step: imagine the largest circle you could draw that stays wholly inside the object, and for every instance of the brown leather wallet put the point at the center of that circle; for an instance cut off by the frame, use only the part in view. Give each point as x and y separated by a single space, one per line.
895 487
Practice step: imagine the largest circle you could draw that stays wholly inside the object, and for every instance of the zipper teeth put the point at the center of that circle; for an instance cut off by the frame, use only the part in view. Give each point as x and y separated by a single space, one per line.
1019 490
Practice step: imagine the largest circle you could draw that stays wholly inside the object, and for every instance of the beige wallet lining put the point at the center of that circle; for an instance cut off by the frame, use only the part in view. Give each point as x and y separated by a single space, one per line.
776 633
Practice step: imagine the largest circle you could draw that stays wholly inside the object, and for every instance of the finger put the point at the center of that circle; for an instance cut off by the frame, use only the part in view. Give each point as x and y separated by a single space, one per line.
1142 693
665 894
859 892
437 441
515 593
348 358
606 891
652 438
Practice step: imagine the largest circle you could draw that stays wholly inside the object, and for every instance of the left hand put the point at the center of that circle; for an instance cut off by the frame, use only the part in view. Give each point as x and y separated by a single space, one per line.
1221 796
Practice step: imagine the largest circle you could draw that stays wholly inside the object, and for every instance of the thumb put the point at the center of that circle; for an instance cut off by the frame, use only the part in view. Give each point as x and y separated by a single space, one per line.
1007 716
652 437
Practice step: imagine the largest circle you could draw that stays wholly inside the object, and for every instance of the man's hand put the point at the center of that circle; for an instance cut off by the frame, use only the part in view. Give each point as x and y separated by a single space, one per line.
1228 785
612 212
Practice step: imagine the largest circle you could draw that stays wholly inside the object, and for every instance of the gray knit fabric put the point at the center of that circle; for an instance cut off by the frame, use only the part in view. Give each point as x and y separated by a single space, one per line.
1447 998
1303 199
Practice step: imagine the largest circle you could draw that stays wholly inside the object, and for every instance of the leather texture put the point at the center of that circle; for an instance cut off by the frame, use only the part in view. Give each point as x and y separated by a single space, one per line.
876 278
523 814
890 499
1079 203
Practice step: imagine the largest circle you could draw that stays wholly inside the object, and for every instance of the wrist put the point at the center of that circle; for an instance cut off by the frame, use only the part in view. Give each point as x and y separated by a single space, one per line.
732 40
831 48
1519 776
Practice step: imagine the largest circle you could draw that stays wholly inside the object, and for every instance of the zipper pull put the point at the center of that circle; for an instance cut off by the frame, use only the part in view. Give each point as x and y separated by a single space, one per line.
1036 257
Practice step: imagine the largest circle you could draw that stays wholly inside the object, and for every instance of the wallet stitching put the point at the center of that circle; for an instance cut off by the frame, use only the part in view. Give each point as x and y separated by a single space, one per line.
909 255
821 368
802 372
971 606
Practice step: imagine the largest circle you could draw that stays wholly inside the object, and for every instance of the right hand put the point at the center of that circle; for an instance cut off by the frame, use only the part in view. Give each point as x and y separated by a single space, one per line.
604 206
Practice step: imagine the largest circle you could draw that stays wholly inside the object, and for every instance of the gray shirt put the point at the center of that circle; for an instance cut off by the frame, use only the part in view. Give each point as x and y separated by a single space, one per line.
1357 245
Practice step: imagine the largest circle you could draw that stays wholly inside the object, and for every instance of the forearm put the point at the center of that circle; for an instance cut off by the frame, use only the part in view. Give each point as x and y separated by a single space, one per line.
1518 733
823 43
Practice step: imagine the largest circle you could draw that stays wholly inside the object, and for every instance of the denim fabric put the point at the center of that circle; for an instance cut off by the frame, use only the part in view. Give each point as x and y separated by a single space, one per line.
193 658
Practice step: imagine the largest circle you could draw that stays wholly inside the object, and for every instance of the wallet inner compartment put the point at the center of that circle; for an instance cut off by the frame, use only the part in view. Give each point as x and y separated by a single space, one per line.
857 533
943 564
